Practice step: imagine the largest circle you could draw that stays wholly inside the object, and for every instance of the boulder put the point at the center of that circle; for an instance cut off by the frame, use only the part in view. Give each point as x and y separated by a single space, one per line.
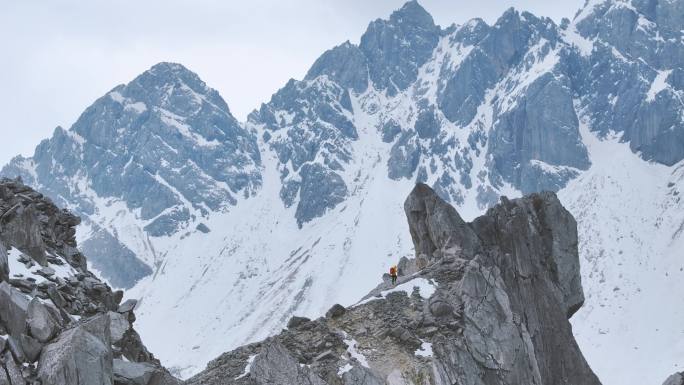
132 347
14 345
23 231
118 326
127 306
296 322
132 373
31 347
13 309
56 297
41 322
98 326
77 356
335 311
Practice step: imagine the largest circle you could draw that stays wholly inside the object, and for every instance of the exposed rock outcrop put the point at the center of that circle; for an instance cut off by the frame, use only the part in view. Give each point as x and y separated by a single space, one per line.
59 324
489 304
675 379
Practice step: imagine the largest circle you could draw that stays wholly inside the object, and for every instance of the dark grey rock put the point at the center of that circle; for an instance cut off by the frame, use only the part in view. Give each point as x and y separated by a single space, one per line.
542 129
203 228
31 347
390 130
127 306
4 379
119 325
133 373
4 264
118 264
435 225
335 311
24 233
13 310
275 365
76 356
427 125
404 157
360 375
320 191
15 347
296 322
675 379
41 323
13 370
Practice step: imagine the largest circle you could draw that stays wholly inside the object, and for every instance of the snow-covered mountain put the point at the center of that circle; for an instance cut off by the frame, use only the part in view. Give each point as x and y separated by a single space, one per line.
226 229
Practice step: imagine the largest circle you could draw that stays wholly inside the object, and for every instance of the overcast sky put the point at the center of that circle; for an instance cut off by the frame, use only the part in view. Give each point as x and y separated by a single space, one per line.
58 56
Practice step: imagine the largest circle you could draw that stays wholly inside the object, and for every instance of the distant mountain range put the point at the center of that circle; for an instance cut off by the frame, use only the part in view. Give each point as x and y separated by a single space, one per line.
224 229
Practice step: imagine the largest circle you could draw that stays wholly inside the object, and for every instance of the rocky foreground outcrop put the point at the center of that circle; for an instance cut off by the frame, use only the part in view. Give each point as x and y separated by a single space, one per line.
59 324
483 303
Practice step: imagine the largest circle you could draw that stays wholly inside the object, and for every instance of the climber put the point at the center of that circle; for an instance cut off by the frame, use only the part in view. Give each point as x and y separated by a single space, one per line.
393 274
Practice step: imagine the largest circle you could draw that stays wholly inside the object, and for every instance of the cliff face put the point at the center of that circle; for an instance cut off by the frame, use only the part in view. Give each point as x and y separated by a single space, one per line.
485 302
59 324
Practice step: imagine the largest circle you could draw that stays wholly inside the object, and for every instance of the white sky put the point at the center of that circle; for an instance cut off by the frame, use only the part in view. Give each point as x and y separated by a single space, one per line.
58 56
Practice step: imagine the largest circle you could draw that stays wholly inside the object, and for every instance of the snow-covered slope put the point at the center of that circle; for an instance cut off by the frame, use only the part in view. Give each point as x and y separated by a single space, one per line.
630 221
230 228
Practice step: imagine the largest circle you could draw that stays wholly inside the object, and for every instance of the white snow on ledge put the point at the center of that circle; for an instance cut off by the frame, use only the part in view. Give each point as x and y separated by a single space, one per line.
426 288
250 360
425 350
354 353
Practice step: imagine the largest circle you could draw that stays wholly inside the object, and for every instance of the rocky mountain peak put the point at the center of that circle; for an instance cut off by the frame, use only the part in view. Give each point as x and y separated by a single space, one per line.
487 303
164 146
414 14
397 47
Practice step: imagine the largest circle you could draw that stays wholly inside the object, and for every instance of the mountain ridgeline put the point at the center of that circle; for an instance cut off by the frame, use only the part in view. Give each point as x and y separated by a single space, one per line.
509 95
195 210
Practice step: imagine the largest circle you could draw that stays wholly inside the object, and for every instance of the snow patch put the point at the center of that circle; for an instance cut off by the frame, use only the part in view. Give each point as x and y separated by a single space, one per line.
248 367
426 288
658 85
425 350
344 369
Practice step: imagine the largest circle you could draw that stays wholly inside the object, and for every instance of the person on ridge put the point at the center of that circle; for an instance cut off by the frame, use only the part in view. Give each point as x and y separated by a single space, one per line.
393 274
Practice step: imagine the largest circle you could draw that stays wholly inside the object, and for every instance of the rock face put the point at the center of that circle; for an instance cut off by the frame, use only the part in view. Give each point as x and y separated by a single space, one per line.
64 325
675 379
491 306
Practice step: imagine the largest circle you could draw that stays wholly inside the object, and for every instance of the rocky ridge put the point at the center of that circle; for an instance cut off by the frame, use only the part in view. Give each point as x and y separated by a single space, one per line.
59 323
485 302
